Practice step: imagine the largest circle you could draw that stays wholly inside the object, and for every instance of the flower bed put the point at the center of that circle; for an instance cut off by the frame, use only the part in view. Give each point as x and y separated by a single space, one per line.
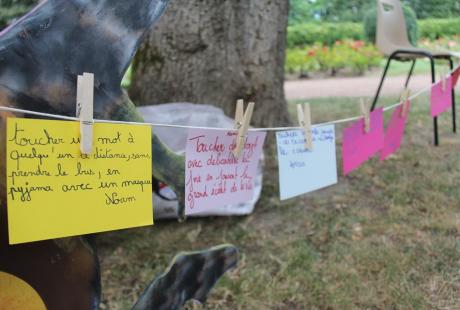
354 56
350 57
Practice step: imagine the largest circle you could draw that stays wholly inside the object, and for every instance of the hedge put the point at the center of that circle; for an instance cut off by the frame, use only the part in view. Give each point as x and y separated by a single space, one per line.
436 28
11 9
327 33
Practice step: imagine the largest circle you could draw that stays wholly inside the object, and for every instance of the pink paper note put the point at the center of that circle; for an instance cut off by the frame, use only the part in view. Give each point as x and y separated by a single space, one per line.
441 100
358 146
213 176
455 76
395 132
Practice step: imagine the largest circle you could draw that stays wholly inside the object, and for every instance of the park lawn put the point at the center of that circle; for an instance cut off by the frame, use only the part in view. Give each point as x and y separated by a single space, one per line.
385 237
398 68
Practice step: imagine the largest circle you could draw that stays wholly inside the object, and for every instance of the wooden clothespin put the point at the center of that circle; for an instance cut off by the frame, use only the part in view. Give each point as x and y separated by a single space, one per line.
239 113
243 129
304 116
366 116
404 99
443 80
79 95
85 98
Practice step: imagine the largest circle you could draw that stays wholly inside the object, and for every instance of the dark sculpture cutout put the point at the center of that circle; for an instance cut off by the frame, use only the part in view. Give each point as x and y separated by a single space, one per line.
190 276
40 58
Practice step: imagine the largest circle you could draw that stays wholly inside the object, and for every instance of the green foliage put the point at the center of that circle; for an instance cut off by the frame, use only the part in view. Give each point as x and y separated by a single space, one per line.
370 24
436 28
5 4
327 10
301 35
11 9
326 33
356 56
343 10
303 11
435 8
300 11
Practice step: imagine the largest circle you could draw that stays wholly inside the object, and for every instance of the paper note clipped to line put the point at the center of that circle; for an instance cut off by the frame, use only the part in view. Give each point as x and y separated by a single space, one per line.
455 76
441 100
358 146
213 175
54 191
395 132
302 171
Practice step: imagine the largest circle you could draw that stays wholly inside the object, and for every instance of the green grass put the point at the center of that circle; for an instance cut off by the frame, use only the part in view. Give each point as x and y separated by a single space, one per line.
385 237
402 68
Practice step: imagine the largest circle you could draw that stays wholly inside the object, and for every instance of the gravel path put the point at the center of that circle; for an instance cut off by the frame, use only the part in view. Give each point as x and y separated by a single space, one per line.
351 86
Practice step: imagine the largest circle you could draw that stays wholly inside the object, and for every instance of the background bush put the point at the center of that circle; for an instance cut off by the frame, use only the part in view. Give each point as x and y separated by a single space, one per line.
11 9
326 33
301 35
303 11
370 24
435 8
436 28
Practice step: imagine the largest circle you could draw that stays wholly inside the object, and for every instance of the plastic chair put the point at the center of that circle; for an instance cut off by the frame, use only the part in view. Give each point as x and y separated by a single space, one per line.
393 42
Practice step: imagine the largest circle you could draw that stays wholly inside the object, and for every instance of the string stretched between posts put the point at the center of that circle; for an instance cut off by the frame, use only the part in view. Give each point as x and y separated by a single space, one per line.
339 121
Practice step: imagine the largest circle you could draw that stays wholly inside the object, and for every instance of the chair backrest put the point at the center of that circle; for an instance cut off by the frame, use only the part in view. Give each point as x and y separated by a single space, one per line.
391 27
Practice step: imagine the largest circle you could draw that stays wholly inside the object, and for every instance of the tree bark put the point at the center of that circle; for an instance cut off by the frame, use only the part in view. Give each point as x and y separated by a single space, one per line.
215 52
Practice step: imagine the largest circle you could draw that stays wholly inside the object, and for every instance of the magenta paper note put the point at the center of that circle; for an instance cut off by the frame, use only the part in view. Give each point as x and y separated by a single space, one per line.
395 132
358 146
455 76
213 176
441 100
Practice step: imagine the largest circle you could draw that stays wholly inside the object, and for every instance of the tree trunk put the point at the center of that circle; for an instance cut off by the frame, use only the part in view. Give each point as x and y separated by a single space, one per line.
215 52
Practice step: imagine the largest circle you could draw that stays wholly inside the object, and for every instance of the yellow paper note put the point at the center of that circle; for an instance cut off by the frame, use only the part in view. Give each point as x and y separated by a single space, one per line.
54 191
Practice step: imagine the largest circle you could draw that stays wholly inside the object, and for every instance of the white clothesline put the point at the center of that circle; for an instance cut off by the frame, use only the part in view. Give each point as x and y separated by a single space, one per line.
339 121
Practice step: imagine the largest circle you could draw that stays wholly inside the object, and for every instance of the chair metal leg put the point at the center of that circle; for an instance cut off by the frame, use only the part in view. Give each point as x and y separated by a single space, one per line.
410 73
376 97
433 80
454 116
435 119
